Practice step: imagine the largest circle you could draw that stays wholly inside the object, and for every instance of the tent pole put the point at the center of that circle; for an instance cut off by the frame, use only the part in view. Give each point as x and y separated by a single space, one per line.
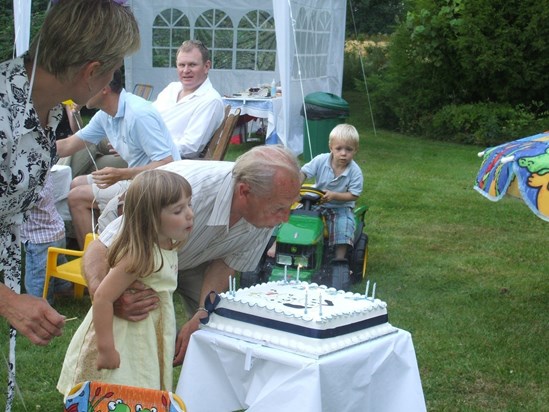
300 80
362 67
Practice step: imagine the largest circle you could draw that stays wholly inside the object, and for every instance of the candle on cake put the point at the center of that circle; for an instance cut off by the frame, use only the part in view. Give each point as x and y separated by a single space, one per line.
297 276
306 297
367 289
230 285
285 273
374 291
320 303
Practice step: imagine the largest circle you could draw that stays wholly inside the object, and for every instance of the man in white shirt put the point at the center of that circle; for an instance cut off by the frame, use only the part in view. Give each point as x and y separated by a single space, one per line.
191 108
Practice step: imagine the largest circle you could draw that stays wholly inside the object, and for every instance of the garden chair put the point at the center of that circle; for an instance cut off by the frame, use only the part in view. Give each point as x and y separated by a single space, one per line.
207 153
143 90
221 145
70 271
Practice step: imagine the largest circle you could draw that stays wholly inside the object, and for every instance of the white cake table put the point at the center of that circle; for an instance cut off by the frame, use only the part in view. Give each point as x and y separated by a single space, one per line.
221 373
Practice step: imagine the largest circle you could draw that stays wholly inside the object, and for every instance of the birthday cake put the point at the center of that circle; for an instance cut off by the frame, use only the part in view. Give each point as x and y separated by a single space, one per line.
303 318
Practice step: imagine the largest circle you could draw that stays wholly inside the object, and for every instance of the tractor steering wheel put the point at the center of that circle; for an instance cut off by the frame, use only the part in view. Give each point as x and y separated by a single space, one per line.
310 196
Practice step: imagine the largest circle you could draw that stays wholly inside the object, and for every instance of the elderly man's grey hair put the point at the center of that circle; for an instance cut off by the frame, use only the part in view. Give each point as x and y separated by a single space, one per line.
258 167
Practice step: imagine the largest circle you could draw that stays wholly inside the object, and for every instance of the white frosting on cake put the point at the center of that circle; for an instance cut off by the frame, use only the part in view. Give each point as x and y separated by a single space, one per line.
262 312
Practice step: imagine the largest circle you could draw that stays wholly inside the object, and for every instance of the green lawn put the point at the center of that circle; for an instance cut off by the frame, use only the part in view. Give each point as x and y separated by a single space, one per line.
467 277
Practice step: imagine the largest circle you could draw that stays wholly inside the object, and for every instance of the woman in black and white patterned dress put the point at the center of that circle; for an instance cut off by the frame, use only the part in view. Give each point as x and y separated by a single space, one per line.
73 56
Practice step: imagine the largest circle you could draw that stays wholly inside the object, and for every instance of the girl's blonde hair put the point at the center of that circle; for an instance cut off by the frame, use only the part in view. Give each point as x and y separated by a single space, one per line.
149 193
345 133
77 32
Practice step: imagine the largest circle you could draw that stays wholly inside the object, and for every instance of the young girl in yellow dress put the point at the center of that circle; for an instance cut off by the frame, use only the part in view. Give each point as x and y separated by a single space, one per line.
157 221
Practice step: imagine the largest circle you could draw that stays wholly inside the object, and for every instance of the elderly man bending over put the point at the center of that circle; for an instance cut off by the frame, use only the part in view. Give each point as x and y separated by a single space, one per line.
236 206
136 132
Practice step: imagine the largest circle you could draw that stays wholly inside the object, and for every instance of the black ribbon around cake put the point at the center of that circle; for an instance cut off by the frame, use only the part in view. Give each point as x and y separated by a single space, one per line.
211 307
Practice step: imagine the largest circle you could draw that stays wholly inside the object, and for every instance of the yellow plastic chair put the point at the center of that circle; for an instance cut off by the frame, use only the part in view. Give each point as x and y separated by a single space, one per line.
101 396
70 271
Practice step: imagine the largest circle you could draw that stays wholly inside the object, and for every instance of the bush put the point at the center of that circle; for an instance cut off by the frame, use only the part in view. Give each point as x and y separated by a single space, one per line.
447 55
484 124
370 55
374 56
351 70
7 36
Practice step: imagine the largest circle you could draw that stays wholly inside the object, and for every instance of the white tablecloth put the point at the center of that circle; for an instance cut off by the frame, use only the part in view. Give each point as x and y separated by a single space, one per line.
221 373
265 108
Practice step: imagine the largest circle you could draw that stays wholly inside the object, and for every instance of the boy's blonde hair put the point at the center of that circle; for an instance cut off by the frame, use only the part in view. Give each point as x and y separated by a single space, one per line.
149 193
345 133
77 32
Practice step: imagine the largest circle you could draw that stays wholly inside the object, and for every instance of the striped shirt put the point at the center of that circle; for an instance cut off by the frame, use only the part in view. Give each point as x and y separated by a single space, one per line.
43 224
240 246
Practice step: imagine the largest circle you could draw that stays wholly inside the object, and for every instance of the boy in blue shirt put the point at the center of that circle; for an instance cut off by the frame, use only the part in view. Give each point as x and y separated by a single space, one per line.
340 177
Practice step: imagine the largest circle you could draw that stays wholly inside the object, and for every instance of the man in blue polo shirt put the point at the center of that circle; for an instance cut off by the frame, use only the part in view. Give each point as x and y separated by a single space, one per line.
136 132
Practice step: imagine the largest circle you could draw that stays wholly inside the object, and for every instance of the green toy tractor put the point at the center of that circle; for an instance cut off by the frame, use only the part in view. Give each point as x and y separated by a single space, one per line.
302 251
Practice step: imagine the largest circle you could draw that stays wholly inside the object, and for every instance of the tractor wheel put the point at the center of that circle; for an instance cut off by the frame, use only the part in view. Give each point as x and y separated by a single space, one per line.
261 274
341 279
248 279
359 260
322 277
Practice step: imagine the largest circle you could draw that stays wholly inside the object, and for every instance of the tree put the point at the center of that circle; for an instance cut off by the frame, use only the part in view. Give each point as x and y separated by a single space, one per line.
7 36
373 16
462 52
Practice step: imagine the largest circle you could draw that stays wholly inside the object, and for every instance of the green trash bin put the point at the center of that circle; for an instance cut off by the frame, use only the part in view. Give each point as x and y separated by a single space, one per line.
324 112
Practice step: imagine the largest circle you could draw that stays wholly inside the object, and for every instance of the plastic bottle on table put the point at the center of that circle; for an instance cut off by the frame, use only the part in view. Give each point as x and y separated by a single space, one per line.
273 88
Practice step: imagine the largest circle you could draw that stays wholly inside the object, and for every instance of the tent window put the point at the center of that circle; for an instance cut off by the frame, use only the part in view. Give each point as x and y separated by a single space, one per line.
256 42
170 28
214 28
250 46
313 28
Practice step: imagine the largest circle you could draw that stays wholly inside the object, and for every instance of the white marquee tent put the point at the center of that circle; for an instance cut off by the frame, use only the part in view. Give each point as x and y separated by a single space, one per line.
307 40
